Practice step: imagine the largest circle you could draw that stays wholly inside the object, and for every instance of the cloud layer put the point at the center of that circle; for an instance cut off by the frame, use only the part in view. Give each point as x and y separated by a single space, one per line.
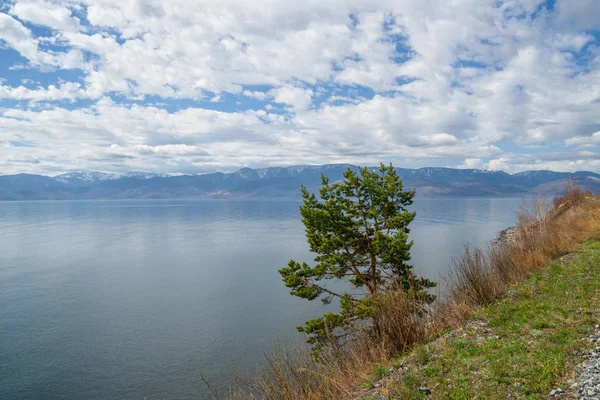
197 86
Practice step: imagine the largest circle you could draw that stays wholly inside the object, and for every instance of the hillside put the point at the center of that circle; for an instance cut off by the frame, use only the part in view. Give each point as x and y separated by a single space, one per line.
516 319
280 182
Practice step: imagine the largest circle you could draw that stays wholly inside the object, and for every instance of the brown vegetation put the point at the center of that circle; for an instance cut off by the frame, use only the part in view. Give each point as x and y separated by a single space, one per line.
477 278
573 195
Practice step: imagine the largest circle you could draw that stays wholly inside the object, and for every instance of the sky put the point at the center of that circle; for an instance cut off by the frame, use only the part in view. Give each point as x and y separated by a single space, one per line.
195 86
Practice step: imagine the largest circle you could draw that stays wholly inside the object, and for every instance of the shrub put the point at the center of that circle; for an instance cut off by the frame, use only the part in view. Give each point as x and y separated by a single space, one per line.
573 195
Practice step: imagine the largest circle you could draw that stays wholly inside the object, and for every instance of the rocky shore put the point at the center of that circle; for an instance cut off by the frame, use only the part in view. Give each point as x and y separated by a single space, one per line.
507 235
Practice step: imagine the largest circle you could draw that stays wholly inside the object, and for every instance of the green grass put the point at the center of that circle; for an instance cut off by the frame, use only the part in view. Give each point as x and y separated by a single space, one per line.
379 372
526 344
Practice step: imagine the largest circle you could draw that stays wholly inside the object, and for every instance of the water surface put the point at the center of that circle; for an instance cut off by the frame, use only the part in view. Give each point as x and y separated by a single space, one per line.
126 299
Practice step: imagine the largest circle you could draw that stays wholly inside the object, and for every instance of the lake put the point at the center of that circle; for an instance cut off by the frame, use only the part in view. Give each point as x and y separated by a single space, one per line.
126 299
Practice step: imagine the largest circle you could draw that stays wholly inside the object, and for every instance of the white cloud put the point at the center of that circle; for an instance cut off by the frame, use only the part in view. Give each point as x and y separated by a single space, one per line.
580 14
414 82
572 42
65 91
472 163
437 139
15 35
256 95
298 98
593 139
134 138
581 160
45 13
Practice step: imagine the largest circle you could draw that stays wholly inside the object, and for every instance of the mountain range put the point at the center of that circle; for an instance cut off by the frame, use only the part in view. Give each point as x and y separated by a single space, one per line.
281 182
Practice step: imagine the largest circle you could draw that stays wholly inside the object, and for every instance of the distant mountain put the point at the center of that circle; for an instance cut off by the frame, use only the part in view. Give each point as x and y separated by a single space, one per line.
84 178
143 175
90 178
26 182
585 183
281 182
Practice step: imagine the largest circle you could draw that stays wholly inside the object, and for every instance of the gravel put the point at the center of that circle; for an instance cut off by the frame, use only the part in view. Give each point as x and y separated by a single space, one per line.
586 385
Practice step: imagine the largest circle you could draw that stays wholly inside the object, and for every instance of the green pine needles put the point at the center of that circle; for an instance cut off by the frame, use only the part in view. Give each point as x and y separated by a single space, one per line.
359 231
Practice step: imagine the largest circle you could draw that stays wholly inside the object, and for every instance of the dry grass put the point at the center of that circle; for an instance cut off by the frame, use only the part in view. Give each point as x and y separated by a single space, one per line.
473 278
400 321
542 234
573 195
478 278
293 373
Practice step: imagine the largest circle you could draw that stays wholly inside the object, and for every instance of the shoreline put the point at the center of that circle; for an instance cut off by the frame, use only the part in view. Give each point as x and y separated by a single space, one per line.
507 235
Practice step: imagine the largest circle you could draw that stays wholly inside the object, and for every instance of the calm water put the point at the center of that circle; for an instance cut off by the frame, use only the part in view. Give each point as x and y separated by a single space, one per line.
126 299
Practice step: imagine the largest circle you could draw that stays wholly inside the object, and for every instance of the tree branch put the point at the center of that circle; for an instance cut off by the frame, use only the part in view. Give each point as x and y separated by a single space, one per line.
312 284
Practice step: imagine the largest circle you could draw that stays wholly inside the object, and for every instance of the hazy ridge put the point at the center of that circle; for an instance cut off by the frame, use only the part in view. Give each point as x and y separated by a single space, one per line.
277 182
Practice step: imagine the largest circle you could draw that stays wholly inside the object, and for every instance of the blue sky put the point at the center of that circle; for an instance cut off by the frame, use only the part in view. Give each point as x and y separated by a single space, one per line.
200 86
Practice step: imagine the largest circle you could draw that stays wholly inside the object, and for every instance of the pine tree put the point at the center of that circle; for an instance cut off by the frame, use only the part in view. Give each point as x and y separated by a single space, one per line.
359 231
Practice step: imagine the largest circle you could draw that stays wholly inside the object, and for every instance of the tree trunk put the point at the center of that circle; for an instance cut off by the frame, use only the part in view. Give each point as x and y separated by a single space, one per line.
373 270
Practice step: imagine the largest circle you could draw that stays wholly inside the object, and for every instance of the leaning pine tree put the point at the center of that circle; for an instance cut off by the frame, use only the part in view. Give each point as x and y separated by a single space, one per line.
359 231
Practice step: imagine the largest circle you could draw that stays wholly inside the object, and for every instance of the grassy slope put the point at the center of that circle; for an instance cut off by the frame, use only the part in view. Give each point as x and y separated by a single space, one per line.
519 347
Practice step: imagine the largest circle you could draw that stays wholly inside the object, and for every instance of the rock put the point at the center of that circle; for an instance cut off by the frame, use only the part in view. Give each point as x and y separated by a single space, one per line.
425 390
552 392
511 294
508 235
587 384
536 332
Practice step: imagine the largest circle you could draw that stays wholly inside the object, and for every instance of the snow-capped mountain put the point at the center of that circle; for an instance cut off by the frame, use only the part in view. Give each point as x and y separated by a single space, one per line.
143 175
84 177
282 182
89 178
292 171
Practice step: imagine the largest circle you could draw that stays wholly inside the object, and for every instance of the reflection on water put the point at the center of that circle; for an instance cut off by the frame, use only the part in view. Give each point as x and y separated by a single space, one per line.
122 299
